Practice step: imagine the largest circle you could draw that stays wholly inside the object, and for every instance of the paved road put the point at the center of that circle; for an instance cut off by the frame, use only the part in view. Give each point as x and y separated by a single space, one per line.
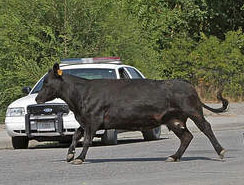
134 161
131 162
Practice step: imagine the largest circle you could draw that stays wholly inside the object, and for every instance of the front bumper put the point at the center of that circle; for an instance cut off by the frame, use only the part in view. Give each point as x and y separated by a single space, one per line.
15 126
44 120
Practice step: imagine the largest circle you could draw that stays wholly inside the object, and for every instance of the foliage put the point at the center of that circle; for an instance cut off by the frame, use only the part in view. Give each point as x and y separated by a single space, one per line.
221 63
198 40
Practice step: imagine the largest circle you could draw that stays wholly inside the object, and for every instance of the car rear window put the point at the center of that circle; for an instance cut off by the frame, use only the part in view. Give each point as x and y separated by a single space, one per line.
134 73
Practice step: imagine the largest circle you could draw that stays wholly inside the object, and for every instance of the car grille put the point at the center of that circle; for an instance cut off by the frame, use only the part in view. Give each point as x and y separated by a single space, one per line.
47 109
45 118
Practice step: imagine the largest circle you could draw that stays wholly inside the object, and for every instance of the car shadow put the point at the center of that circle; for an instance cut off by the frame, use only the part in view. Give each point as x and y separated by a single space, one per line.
46 145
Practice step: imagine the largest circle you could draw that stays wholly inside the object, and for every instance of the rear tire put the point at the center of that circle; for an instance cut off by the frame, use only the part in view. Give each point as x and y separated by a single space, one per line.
20 142
152 134
109 137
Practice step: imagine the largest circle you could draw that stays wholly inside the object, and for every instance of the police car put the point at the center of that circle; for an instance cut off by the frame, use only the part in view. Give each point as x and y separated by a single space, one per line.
53 121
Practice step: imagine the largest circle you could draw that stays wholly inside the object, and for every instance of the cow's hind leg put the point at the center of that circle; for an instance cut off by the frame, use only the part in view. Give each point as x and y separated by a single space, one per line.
205 127
180 130
76 137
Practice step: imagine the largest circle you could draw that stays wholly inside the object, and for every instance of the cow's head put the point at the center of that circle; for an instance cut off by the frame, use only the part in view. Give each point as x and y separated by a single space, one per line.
51 85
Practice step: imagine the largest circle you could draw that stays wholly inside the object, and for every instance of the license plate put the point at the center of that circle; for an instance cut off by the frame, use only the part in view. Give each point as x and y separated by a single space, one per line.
45 126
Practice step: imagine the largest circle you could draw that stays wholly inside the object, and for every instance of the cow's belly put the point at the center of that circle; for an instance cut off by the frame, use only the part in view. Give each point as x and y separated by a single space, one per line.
127 125
133 120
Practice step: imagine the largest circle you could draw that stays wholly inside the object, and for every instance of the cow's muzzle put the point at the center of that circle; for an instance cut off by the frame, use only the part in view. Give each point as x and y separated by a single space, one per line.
38 101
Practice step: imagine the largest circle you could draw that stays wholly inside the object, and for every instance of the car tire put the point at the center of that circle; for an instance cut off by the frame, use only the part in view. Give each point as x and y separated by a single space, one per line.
152 134
109 137
20 142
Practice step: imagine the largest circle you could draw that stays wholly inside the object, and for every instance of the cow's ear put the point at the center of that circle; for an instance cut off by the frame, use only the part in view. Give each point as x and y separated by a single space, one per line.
57 70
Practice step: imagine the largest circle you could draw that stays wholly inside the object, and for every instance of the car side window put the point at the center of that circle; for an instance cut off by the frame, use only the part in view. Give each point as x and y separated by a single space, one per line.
123 74
134 74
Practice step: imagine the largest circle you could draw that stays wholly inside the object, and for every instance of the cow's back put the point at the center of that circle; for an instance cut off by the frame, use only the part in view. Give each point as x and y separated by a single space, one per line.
137 90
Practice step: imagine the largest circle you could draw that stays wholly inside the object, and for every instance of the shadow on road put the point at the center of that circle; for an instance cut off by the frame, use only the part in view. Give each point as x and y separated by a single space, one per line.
148 159
155 159
47 145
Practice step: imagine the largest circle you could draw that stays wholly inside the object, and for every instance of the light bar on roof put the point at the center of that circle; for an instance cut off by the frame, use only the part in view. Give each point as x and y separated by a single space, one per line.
97 60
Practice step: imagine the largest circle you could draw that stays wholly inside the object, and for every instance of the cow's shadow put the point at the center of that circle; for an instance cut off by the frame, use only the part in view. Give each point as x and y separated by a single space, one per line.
154 159
147 159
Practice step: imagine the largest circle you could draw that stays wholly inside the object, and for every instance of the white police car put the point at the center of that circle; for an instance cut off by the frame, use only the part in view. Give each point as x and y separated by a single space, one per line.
53 121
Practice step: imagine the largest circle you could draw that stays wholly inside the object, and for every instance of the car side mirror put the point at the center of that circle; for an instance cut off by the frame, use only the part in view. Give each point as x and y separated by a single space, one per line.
26 90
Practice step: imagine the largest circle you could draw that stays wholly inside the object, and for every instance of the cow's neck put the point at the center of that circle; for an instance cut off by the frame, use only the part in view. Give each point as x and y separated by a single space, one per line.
70 94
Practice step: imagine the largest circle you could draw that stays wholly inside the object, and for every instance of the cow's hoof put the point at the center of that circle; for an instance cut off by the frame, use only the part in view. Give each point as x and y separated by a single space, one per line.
222 154
171 159
70 157
77 162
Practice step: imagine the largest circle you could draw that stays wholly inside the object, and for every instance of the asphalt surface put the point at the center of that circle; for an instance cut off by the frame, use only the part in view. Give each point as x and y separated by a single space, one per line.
134 161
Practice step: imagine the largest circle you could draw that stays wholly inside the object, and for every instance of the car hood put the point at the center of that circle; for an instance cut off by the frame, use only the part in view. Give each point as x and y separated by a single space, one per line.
29 100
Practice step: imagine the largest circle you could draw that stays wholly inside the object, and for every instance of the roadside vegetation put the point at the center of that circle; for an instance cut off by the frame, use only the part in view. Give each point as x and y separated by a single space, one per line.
198 40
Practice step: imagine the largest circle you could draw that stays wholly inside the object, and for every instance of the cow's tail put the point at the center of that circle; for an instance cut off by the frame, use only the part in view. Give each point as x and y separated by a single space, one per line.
224 107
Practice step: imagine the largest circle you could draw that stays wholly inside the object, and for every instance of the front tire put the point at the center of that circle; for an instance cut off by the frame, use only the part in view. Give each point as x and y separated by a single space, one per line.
152 134
109 137
20 142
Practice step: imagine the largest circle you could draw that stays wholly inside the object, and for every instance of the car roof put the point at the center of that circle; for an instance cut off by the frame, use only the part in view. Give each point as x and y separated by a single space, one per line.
101 66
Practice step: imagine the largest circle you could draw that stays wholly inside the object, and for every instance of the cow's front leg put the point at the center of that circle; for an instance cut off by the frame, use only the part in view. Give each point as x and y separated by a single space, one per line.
76 137
88 136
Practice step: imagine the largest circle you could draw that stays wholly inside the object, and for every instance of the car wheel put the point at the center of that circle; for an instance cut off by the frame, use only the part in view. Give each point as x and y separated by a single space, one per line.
152 134
20 142
109 137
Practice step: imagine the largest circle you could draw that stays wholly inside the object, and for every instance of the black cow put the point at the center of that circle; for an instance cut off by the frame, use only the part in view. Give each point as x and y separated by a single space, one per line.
129 105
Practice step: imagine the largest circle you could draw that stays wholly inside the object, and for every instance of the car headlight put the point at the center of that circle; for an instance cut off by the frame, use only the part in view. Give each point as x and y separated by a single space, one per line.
15 112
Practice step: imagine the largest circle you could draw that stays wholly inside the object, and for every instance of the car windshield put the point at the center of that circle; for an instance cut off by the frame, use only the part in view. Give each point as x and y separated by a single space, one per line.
88 73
